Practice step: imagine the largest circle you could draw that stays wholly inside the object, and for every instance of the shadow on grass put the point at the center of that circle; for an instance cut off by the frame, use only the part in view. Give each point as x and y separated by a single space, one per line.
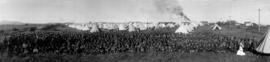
263 57
259 53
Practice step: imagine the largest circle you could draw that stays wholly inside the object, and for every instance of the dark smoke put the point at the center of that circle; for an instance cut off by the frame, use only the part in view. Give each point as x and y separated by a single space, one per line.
170 6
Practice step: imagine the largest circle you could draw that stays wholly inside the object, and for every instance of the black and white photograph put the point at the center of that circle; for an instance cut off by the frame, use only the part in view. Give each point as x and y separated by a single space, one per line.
134 30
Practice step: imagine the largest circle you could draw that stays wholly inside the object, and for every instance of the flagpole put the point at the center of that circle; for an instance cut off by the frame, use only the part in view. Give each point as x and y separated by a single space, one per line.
259 19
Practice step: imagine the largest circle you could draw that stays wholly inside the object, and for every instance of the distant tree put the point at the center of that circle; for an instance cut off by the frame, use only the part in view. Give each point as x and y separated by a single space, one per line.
33 28
25 29
253 27
205 22
220 23
231 22
53 27
15 29
49 27
26 24
2 31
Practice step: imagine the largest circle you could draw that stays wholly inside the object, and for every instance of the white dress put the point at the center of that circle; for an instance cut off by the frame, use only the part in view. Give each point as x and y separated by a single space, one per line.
240 52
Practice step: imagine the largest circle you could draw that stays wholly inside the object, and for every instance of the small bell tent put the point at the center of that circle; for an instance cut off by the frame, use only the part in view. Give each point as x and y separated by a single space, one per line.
182 29
216 27
131 28
264 46
94 28
122 27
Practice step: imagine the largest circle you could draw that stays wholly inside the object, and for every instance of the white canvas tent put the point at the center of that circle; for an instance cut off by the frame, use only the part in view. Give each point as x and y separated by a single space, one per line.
131 28
162 25
143 26
171 25
186 27
156 25
94 28
82 27
264 46
182 29
100 25
122 27
216 27
194 24
110 26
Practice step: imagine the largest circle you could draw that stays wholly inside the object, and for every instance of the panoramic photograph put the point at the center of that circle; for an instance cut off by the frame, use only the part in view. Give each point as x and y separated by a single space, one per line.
134 31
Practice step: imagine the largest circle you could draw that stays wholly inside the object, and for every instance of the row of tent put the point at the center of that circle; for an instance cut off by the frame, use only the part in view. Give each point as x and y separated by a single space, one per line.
119 26
184 27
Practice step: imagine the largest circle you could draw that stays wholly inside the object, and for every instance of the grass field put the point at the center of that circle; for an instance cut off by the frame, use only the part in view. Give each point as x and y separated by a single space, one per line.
152 56
143 57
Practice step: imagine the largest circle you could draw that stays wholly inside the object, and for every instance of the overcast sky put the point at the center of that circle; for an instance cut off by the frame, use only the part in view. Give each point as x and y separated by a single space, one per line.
42 11
241 10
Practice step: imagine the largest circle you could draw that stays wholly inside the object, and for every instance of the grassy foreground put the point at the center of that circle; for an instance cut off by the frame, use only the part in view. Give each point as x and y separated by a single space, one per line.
140 57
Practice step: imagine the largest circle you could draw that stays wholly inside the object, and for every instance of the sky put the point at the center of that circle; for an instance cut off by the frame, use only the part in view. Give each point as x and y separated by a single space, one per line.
240 10
44 11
